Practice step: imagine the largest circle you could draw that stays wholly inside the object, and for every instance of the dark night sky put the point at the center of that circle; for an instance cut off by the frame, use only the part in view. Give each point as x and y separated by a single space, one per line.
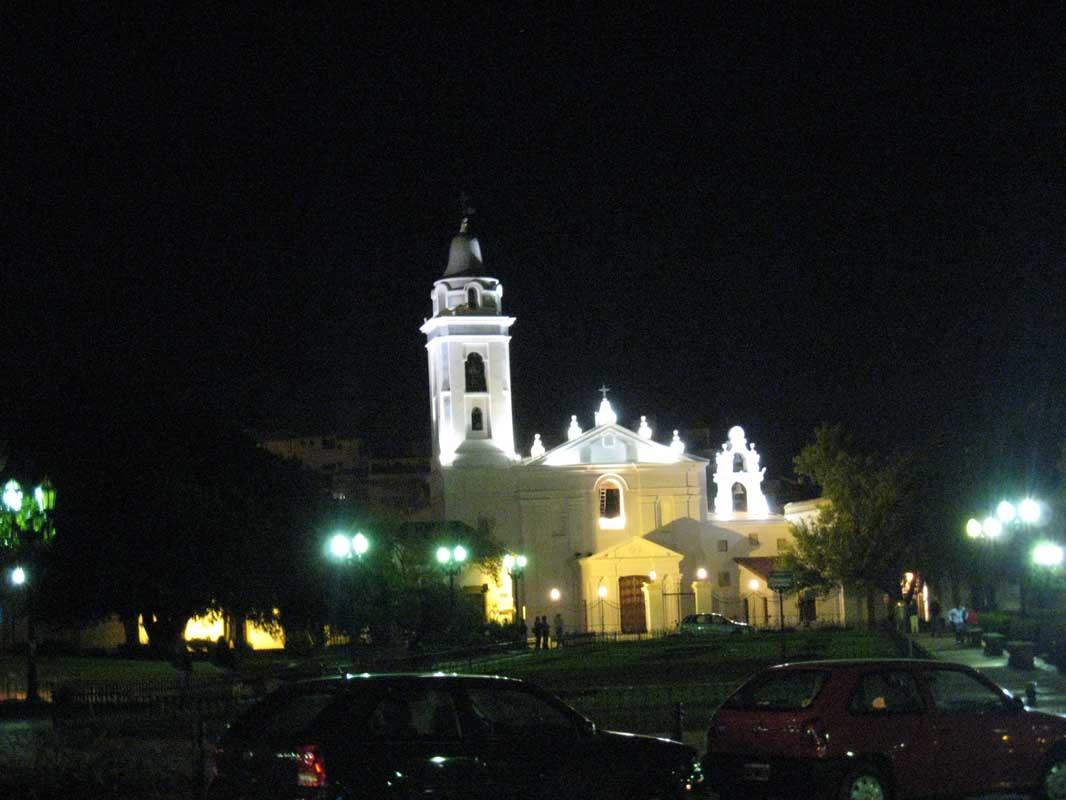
776 216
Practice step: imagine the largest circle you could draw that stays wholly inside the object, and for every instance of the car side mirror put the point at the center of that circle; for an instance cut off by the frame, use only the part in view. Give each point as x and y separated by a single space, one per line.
1017 705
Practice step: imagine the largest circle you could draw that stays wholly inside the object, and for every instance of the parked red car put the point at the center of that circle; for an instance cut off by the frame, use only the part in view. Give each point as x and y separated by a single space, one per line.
881 729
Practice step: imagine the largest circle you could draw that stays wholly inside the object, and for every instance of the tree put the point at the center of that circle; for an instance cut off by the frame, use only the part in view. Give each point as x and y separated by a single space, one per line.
864 536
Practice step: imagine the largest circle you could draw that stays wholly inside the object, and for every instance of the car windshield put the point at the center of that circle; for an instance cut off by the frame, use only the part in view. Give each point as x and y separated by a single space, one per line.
781 690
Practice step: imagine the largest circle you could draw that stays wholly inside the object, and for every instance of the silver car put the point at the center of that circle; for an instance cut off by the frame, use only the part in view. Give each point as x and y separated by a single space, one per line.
712 625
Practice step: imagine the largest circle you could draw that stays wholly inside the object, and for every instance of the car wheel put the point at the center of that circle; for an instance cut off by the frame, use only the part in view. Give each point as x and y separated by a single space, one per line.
1053 785
864 782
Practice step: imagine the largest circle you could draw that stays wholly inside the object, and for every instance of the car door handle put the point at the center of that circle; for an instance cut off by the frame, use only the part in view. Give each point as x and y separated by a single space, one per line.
759 729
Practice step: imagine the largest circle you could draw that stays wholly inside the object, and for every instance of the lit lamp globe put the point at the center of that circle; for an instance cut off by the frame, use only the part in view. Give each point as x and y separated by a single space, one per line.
1029 510
555 594
701 574
12 496
520 562
340 546
1006 512
444 555
459 554
18 576
652 575
992 527
1047 555
360 544
45 495
753 584
602 592
974 529
508 562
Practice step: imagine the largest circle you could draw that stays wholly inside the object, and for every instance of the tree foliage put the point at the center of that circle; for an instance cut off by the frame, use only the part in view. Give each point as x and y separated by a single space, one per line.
866 535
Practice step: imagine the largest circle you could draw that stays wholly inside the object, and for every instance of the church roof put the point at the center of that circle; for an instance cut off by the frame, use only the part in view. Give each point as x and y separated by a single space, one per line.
612 444
760 565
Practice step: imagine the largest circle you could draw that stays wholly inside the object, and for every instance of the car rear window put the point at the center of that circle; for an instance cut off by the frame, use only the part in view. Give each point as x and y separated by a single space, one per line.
284 713
781 690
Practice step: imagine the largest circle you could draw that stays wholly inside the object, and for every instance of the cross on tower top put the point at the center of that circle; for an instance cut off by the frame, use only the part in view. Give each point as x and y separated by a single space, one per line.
603 390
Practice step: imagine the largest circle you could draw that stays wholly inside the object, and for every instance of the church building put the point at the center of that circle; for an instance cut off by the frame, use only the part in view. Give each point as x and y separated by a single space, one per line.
622 529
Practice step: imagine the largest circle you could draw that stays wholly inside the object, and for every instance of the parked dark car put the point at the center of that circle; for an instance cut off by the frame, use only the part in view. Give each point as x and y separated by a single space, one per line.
437 736
881 729
712 625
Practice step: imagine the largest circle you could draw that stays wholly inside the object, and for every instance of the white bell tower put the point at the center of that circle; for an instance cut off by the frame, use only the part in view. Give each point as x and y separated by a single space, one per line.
468 342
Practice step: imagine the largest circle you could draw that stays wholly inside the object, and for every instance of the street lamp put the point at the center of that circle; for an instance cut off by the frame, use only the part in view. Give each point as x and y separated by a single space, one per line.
452 561
602 592
516 568
1047 554
346 549
16 533
1029 511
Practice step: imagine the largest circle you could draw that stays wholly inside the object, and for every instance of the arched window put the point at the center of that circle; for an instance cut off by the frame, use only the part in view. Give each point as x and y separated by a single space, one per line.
471 297
477 423
738 463
612 514
475 373
740 498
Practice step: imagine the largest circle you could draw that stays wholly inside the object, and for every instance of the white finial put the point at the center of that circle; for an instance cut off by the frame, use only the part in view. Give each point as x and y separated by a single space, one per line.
606 415
537 450
644 431
677 445
574 430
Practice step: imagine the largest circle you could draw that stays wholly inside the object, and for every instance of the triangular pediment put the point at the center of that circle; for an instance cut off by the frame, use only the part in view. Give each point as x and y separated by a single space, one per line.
612 444
637 547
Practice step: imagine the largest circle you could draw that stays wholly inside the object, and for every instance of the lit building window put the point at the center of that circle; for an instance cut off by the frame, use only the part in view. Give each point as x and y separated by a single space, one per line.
723 545
753 539
611 514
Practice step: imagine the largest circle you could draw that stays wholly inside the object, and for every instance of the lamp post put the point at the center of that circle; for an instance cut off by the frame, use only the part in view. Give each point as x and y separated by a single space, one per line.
602 592
25 518
347 549
452 561
1024 514
516 568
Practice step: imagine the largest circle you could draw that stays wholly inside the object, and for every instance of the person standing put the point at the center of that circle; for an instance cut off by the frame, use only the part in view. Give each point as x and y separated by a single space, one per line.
538 632
934 615
558 629
955 617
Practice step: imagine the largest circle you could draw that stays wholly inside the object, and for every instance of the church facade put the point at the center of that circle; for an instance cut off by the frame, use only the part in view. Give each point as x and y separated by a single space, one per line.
622 532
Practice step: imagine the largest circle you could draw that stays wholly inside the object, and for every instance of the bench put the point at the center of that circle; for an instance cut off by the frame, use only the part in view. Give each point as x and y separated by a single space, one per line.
1021 655
994 644
971 637
576 638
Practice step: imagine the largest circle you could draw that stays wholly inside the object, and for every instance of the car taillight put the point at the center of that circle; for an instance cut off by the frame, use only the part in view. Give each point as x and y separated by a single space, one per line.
816 733
310 767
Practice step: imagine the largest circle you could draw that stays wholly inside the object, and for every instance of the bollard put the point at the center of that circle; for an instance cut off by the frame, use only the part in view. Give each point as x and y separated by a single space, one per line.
679 720
1030 694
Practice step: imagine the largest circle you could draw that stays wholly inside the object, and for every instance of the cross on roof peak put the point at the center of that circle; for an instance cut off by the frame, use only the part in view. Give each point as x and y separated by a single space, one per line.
603 390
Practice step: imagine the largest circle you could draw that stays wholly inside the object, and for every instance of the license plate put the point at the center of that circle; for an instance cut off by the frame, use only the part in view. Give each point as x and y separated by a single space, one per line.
757 772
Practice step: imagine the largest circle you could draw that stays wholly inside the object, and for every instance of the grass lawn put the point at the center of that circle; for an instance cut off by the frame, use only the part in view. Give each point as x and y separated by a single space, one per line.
54 670
683 660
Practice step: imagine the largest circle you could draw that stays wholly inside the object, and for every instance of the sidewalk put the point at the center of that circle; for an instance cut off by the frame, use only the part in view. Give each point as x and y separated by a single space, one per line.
1050 684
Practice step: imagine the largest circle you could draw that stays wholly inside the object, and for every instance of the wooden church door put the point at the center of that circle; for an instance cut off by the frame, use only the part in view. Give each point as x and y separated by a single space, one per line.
631 599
